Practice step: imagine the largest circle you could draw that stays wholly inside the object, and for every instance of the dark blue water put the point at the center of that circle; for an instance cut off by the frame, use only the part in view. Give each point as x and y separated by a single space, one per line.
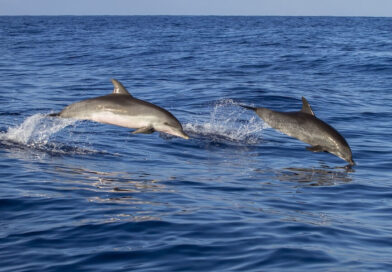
238 196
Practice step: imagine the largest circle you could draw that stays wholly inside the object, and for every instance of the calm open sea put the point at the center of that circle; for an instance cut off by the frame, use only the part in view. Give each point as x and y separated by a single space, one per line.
237 196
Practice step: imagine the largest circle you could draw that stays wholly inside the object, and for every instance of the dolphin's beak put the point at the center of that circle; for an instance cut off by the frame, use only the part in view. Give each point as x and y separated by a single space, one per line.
186 137
174 131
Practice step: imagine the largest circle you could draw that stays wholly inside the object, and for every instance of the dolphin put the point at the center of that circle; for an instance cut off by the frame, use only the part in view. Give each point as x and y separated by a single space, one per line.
120 108
306 127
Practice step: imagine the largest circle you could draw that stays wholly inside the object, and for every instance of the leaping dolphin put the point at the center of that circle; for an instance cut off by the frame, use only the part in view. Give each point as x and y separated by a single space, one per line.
305 126
120 108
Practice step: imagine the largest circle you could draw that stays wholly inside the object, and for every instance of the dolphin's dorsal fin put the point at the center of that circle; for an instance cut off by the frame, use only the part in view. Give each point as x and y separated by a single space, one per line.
119 88
306 107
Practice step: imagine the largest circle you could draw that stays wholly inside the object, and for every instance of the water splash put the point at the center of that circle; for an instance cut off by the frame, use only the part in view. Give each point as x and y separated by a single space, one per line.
228 123
36 134
36 130
41 133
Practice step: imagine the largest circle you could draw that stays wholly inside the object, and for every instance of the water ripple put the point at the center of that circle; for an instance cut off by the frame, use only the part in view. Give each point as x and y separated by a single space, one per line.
237 196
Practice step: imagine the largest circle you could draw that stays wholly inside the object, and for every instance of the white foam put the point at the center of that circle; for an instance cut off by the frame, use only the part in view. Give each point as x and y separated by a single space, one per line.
229 122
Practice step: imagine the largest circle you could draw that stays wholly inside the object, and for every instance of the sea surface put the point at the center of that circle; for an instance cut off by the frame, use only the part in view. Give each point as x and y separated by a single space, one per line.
237 196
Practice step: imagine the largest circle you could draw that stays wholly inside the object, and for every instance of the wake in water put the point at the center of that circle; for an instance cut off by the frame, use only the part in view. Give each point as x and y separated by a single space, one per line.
36 133
228 123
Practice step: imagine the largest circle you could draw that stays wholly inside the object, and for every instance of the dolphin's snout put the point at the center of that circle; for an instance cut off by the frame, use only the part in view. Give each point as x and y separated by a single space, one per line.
184 136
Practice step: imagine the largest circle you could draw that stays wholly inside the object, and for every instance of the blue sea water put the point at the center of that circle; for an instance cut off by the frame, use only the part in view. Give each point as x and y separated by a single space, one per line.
237 196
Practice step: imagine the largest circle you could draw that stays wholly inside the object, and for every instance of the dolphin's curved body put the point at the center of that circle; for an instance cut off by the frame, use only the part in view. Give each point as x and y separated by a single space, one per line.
120 108
305 126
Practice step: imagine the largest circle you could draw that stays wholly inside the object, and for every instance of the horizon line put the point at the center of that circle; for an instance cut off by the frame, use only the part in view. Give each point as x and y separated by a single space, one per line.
191 15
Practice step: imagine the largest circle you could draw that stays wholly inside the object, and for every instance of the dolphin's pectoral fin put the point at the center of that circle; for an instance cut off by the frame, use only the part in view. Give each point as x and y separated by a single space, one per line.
316 148
145 130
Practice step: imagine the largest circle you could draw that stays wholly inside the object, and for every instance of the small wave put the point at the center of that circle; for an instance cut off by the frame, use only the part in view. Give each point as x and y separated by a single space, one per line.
41 151
228 123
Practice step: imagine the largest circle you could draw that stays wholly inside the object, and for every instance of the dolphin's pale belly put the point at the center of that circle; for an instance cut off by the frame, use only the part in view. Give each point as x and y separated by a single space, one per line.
108 117
107 114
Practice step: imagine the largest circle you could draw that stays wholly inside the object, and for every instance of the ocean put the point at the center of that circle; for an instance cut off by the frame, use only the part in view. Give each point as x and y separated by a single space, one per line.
238 195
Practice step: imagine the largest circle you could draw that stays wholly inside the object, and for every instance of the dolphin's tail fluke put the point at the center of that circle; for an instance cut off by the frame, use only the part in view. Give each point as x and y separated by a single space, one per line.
56 114
248 107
